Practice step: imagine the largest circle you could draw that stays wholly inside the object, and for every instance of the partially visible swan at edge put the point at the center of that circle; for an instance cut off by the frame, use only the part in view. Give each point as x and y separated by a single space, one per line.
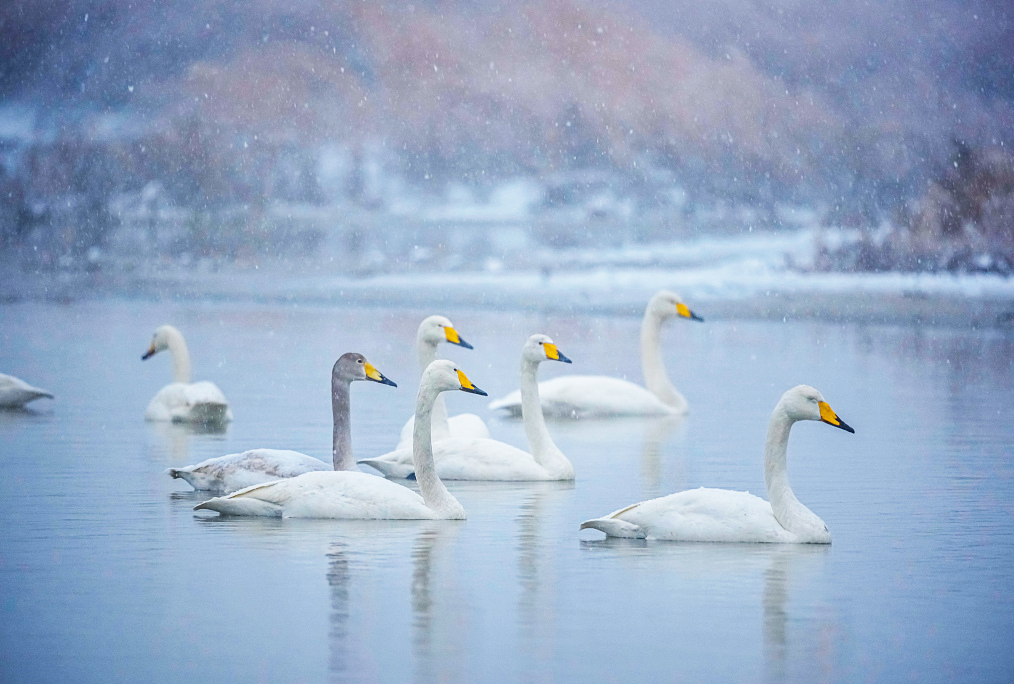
591 396
433 331
235 471
488 459
183 401
722 515
15 392
356 495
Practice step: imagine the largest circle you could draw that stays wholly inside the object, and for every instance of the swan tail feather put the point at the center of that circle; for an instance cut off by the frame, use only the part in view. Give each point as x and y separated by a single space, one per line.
388 468
209 412
231 505
614 527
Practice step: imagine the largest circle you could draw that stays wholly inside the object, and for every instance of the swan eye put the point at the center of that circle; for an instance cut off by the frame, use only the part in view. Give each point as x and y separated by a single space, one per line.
359 360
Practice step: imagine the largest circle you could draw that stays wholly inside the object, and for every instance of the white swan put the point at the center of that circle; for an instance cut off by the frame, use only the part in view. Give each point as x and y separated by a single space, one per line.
183 401
488 459
15 392
722 515
256 466
591 396
356 495
433 331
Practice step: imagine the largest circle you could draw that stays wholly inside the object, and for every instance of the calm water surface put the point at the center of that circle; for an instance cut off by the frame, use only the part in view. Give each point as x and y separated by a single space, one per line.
106 574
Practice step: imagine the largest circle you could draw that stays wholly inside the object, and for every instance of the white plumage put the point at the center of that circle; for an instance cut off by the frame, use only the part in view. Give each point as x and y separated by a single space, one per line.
355 495
433 331
183 401
721 515
488 459
15 392
600 396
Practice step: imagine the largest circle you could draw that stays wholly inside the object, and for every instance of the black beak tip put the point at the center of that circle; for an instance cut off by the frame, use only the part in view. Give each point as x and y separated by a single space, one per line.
695 317
474 390
847 428
388 381
466 345
563 358
146 356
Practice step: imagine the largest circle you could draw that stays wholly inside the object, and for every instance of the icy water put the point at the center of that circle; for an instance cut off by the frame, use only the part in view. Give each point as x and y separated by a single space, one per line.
107 574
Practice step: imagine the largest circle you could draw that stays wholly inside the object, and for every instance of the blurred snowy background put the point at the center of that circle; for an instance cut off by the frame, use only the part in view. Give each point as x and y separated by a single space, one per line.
712 143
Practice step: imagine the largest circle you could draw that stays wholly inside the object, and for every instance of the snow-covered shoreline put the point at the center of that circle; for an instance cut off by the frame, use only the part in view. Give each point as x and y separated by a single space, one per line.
744 276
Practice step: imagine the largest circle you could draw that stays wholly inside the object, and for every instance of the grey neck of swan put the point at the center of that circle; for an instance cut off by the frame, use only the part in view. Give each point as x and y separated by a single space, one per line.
655 377
341 445
540 441
181 357
433 491
790 514
427 355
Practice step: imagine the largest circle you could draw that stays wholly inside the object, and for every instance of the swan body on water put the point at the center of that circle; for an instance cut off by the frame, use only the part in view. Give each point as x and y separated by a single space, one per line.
256 466
356 495
433 331
721 515
15 392
600 396
488 459
183 401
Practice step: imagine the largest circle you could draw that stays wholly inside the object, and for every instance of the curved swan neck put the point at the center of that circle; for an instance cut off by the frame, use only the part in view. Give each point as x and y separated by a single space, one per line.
540 442
341 444
655 377
433 491
788 511
181 357
427 355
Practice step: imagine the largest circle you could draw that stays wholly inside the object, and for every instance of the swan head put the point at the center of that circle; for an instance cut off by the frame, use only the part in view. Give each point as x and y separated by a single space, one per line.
352 366
437 329
541 348
443 376
666 304
805 403
160 340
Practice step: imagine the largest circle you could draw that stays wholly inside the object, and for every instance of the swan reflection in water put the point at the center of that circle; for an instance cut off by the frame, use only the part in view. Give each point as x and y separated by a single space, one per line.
536 601
438 642
439 646
171 443
793 634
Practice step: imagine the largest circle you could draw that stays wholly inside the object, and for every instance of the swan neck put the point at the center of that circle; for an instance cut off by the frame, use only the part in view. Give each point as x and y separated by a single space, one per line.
427 355
656 379
433 491
788 511
180 355
341 444
544 450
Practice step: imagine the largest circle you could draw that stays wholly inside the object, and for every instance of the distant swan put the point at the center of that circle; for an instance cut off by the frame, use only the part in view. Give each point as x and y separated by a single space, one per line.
591 396
183 401
722 515
432 331
488 459
15 392
356 495
235 471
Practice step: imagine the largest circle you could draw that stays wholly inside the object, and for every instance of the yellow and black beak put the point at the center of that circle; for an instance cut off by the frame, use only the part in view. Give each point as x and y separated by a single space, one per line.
376 376
831 418
684 311
553 354
150 353
467 386
454 338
